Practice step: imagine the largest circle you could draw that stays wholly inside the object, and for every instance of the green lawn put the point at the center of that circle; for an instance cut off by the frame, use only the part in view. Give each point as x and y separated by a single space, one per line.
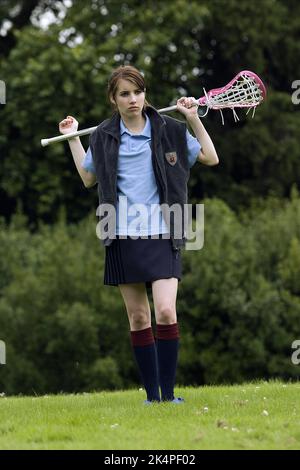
250 416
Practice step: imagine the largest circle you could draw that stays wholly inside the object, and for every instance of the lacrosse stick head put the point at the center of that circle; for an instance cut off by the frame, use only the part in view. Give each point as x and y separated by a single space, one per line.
245 90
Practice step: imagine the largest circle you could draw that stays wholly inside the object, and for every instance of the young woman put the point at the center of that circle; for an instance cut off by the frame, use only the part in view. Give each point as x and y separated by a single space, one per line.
140 158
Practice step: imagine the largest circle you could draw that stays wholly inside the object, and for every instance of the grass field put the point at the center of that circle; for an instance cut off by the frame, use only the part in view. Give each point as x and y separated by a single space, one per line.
250 416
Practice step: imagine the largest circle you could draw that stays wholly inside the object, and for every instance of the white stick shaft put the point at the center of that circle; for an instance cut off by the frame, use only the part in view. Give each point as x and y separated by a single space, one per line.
62 137
167 110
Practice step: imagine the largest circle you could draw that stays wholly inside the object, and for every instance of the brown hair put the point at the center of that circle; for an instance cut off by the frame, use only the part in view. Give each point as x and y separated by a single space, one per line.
125 72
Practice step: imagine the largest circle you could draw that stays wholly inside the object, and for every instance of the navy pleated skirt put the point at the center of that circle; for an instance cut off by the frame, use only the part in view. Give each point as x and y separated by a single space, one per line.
142 260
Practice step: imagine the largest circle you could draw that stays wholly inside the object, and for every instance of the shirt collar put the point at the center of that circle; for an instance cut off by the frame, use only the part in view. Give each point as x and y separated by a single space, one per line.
146 132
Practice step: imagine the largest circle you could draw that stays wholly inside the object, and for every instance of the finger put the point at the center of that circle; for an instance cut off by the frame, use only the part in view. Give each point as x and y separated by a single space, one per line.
194 102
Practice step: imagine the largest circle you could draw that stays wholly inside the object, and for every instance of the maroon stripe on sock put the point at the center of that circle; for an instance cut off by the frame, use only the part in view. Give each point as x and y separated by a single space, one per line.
142 337
167 331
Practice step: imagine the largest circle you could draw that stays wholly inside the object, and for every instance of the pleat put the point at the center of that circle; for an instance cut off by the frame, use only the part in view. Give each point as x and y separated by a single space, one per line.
142 260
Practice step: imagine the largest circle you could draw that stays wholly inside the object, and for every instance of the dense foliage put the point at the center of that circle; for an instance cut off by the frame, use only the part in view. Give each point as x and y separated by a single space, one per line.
239 301
181 46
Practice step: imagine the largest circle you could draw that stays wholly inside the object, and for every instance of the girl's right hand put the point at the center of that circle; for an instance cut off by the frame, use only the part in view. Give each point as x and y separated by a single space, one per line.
68 125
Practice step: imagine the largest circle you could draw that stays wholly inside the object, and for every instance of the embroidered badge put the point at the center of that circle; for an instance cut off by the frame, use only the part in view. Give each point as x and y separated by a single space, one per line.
171 157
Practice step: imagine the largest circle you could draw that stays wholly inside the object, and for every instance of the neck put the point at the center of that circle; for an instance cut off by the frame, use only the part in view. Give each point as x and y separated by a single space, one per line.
136 124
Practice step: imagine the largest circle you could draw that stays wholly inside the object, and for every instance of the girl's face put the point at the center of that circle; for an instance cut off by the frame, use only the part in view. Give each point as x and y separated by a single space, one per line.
129 99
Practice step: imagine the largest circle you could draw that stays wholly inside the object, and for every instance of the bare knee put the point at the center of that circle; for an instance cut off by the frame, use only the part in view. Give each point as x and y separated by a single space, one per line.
137 305
139 319
166 315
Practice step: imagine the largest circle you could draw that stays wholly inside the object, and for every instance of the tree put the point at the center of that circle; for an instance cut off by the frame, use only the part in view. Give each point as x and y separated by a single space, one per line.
64 70
17 14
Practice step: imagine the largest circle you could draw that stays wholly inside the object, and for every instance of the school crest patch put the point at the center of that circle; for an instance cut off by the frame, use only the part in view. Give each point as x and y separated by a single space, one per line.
171 157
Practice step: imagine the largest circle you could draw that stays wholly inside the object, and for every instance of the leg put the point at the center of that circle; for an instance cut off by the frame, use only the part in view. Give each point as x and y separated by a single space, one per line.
164 297
137 305
164 293
142 339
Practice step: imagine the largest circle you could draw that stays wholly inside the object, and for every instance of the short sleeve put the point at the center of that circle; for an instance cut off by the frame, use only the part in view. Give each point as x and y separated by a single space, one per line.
194 148
88 163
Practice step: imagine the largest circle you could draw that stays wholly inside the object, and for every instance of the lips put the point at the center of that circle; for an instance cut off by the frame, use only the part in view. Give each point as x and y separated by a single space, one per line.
134 107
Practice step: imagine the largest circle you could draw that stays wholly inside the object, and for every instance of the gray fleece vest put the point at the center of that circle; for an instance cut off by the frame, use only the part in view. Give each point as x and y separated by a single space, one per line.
169 159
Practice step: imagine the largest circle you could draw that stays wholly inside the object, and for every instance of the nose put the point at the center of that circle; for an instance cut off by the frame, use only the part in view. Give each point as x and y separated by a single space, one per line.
132 98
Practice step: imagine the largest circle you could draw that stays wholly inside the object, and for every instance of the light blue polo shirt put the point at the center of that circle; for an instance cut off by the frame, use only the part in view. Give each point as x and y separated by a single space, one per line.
138 212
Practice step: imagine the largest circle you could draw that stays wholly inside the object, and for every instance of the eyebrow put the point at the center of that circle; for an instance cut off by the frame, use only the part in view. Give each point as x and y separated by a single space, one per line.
136 89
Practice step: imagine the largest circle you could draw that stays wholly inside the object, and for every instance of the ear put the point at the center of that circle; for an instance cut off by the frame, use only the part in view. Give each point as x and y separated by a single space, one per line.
111 99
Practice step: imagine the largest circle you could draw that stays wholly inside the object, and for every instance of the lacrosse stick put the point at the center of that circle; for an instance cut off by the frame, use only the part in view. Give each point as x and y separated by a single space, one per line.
245 90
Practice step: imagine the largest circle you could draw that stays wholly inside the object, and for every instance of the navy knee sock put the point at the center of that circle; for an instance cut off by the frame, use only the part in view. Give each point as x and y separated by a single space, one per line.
167 344
145 354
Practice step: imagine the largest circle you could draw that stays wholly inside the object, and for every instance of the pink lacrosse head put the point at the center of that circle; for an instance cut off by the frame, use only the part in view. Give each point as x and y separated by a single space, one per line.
245 90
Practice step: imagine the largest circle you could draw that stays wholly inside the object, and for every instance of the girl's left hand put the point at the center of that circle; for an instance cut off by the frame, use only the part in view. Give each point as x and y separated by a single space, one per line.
187 106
